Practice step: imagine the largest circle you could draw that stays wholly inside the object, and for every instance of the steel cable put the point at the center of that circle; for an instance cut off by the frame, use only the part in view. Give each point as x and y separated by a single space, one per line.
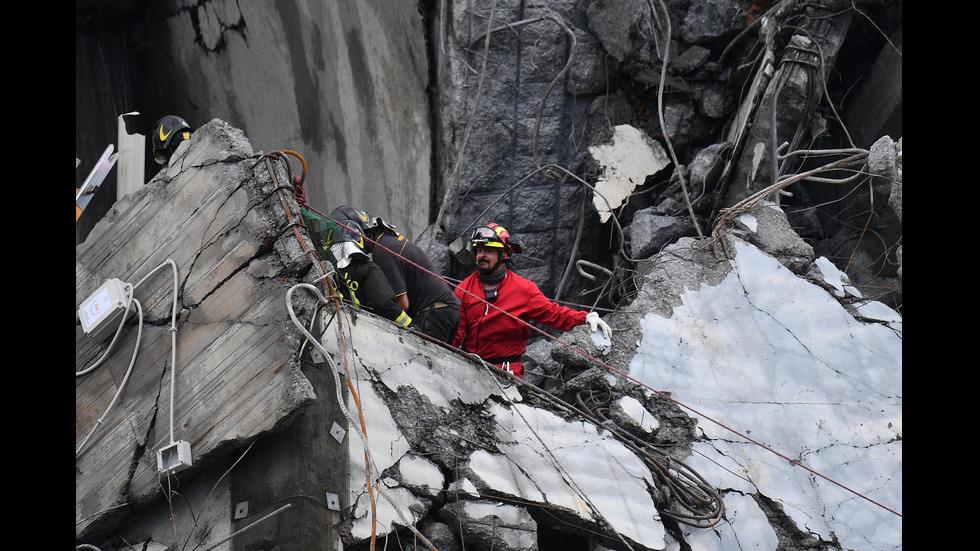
704 502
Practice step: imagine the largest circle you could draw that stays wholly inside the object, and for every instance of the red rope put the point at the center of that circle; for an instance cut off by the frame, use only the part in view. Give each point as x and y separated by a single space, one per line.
300 192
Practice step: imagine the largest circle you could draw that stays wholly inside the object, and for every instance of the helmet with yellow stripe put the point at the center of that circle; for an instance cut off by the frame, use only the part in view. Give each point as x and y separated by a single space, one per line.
496 236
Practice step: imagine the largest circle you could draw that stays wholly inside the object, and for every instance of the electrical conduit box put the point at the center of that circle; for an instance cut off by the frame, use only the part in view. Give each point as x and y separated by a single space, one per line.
102 311
174 457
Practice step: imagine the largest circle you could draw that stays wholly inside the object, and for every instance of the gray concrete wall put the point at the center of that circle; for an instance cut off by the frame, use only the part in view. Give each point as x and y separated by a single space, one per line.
342 83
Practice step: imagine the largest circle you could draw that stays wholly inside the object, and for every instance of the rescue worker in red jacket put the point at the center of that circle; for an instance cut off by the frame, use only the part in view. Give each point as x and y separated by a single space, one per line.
493 296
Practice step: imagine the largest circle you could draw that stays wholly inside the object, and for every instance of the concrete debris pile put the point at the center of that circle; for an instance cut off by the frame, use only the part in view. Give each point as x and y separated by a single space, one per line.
674 115
680 166
380 432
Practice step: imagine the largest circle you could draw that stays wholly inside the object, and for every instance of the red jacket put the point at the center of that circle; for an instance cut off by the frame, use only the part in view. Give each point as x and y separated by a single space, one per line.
490 333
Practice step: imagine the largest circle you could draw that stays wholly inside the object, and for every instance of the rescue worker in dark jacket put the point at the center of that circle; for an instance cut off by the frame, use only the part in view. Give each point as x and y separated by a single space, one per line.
168 133
362 282
426 297
499 333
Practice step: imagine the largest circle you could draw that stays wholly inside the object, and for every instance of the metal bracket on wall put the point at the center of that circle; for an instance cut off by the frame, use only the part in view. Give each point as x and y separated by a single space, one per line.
333 502
338 432
241 510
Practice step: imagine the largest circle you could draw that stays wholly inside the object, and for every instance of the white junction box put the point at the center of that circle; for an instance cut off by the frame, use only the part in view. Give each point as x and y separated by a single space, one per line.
102 311
174 457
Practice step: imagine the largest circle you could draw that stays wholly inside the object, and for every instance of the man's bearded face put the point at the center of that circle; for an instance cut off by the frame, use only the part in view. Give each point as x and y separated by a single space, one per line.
487 259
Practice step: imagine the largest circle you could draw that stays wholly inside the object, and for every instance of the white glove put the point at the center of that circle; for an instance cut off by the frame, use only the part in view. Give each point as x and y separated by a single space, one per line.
592 318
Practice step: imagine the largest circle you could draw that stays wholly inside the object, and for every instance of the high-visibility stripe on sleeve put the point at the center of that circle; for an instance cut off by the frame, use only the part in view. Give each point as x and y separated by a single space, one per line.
403 319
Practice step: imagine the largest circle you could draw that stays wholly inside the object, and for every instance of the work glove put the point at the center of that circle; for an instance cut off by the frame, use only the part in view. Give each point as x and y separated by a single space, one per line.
592 318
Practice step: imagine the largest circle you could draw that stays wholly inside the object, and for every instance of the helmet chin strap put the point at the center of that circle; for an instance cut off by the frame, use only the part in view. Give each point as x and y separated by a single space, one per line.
492 275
